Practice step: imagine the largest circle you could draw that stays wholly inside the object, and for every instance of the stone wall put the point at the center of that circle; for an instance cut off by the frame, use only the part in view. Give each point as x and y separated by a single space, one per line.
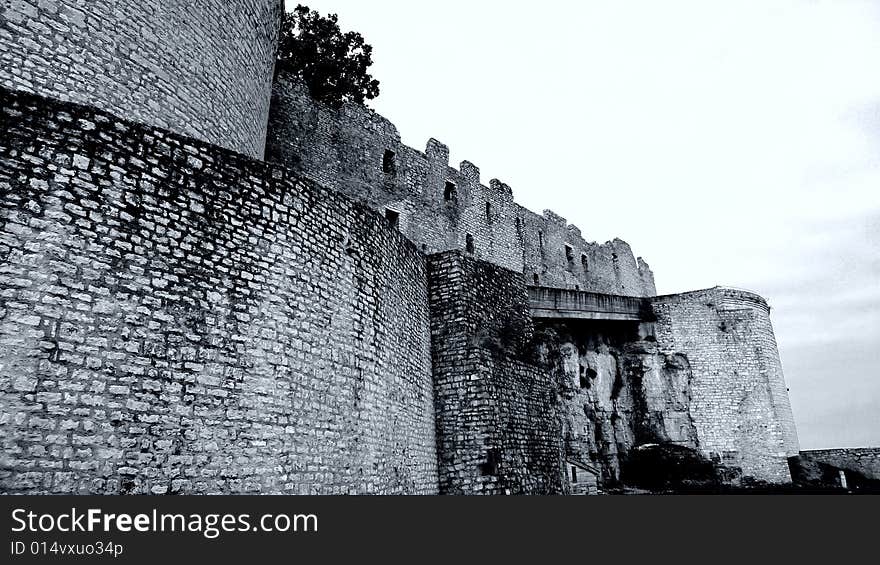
203 68
177 318
440 208
498 428
865 461
739 401
556 255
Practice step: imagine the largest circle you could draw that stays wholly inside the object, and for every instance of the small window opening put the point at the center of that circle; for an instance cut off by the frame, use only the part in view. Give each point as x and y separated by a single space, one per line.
569 253
577 287
574 474
493 460
469 243
536 279
584 262
614 256
449 193
541 240
393 217
489 211
388 161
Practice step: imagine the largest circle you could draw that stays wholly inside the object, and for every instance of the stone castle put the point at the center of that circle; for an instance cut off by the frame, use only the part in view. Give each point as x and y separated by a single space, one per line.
210 283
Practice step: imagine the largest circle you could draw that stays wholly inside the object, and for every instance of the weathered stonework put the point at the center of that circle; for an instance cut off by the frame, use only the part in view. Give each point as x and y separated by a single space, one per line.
863 461
202 69
354 316
177 318
359 152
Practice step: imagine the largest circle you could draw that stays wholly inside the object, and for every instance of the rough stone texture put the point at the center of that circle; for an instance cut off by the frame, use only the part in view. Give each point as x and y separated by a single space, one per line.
865 461
177 318
617 391
739 401
203 68
346 150
498 430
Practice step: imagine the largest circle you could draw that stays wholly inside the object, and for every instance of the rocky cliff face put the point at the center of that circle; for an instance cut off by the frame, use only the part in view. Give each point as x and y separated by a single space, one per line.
617 391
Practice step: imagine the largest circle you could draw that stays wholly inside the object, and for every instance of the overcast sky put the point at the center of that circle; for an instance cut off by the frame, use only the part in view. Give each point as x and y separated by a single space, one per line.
730 143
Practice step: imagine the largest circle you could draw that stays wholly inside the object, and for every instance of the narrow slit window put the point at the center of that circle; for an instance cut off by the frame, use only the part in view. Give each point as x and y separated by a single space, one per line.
393 217
541 240
584 262
569 253
388 162
449 193
536 279
469 243
489 211
574 474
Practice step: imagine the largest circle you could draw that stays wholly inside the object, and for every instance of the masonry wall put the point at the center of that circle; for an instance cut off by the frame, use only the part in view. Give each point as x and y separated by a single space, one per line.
177 318
440 208
738 399
203 68
498 426
865 461
556 255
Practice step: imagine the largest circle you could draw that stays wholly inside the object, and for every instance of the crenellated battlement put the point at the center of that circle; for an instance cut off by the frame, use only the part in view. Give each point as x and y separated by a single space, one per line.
437 206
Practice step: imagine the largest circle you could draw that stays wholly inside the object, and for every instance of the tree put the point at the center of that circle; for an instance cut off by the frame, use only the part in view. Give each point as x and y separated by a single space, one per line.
332 64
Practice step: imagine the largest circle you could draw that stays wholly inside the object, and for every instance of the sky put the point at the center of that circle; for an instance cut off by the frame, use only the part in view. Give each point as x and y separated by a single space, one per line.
730 143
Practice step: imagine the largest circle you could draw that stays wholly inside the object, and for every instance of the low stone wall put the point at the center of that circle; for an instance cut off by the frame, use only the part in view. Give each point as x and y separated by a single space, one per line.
865 461
439 207
177 318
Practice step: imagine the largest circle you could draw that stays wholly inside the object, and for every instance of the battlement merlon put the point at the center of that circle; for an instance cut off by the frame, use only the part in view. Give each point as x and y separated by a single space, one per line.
470 173
437 152
502 189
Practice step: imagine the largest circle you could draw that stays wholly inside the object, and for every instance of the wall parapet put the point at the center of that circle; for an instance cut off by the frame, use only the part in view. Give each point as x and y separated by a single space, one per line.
731 297
561 303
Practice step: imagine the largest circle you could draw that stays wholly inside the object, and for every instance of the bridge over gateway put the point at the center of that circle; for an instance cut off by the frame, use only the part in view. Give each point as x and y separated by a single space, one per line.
552 303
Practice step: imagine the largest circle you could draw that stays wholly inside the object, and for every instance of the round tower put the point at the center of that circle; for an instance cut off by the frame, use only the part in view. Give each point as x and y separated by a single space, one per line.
202 69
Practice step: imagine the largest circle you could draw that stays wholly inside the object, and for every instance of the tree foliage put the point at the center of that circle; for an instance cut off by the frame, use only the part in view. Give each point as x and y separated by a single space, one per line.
332 64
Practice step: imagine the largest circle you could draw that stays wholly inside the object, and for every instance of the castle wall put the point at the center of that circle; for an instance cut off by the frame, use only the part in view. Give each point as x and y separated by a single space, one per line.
498 427
556 255
346 149
202 69
739 401
177 318
865 460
